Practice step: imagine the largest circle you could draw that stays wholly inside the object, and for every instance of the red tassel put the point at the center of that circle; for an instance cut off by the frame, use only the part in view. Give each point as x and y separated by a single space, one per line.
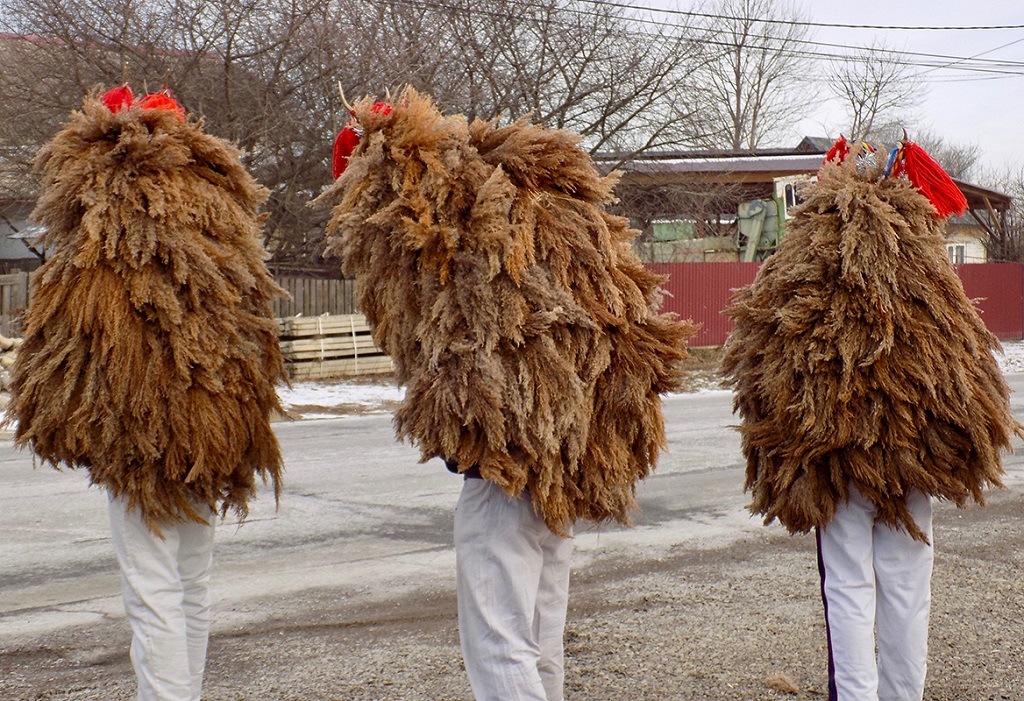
929 177
840 149
344 145
117 99
162 101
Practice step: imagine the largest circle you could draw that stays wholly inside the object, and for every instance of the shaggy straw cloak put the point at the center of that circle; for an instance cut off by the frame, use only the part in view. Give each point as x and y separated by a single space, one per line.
150 352
517 316
857 359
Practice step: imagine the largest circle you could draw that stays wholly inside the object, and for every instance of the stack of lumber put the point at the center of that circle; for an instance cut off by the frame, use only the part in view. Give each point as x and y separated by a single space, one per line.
338 345
8 352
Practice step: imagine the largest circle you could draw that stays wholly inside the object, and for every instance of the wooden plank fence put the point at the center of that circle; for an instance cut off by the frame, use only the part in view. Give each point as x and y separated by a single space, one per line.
307 297
13 300
314 296
330 346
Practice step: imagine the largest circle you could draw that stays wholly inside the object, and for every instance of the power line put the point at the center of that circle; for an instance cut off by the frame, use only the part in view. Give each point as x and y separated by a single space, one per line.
832 25
958 63
975 57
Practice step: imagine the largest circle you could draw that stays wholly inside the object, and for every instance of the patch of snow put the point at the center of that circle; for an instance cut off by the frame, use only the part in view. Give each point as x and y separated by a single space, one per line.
1012 357
332 393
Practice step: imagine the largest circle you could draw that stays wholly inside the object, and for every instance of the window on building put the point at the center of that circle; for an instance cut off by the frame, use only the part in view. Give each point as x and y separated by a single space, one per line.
792 200
957 252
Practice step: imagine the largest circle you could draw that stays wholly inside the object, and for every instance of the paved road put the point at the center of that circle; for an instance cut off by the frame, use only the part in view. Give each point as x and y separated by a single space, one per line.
359 515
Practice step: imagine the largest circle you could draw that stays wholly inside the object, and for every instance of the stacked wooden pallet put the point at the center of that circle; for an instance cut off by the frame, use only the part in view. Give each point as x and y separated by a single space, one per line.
338 345
8 353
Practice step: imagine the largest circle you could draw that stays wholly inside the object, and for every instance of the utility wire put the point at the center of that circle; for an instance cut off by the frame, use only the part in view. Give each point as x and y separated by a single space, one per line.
957 63
798 23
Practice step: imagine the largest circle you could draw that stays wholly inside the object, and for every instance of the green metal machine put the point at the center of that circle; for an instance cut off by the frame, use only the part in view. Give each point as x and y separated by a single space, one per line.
761 224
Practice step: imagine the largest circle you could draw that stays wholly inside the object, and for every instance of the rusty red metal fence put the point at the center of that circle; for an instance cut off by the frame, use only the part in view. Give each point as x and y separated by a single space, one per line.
998 292
701 291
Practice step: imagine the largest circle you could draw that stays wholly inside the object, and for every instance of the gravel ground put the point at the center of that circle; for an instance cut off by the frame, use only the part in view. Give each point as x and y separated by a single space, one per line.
741 622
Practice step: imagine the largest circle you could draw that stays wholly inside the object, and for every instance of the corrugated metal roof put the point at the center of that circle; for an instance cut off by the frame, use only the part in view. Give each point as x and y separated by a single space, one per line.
796 163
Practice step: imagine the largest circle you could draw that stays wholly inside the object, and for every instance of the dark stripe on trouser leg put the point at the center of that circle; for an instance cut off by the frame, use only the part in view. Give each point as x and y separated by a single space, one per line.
833 694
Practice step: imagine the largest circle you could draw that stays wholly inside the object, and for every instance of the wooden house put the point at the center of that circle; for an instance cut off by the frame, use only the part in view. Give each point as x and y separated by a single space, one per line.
694 205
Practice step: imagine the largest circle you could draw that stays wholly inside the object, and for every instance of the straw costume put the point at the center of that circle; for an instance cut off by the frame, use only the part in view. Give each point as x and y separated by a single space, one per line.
524 329
515 312
150 353
867 384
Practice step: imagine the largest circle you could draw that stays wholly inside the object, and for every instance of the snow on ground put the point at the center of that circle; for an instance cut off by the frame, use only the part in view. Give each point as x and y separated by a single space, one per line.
1012 359
340 392
329 398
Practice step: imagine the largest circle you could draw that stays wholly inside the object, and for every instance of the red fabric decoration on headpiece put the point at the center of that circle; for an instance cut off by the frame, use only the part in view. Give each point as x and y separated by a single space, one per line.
161 101
117 99
344 145
348 139
929 177
840 149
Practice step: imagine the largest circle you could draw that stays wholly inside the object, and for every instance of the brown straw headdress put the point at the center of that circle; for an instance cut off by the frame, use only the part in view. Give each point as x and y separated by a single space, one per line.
150 352
857 359
523 326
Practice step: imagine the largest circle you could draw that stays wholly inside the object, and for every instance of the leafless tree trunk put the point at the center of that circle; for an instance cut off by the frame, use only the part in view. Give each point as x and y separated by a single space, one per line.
759 80
879 91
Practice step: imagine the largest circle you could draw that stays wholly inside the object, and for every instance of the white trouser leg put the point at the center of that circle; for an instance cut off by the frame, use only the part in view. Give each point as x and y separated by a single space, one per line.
848 592
903 570
195 562
876 575
165 584
512 577
549 616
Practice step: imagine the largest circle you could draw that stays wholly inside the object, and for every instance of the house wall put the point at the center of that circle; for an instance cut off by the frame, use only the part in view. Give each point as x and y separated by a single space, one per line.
701 291
971 239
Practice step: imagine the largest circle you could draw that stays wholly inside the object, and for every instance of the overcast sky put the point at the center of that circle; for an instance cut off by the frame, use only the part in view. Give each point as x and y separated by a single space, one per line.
961 107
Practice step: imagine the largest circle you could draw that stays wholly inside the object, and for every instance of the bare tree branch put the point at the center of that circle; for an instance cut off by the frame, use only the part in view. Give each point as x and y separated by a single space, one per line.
878 92
758 79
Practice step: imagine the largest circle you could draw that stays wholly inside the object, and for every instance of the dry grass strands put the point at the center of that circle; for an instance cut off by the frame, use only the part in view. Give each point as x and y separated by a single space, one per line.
781 682
857 358
150 353
511 303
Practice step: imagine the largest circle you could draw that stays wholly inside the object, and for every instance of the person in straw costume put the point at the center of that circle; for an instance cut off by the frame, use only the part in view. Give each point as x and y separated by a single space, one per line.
150 356
867 385
527 335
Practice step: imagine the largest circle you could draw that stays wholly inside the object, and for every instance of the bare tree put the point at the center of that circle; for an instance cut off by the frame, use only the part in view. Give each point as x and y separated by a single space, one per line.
264 73
878 90
1010 246
595 69
260 73
758 79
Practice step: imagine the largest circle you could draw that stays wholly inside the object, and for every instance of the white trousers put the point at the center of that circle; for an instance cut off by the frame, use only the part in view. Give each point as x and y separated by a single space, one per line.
513 591
874 576
166 587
